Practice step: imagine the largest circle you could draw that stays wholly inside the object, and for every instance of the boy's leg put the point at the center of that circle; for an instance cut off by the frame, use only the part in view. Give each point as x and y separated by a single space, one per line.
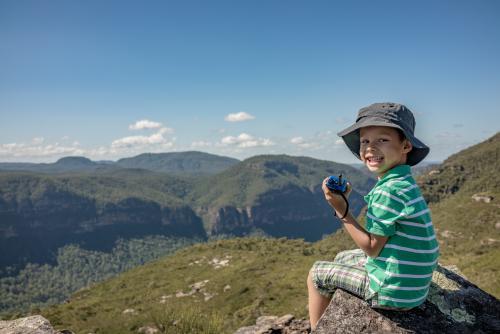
317 302
355 257
348 274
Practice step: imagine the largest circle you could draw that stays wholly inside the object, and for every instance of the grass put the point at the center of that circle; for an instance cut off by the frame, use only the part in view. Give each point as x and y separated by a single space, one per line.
265 276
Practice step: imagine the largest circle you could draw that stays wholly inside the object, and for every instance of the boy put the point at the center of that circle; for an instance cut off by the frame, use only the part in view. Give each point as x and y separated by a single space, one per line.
398 248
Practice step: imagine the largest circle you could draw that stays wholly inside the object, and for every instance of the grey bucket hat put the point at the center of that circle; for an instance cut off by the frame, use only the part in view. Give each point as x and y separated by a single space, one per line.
386 114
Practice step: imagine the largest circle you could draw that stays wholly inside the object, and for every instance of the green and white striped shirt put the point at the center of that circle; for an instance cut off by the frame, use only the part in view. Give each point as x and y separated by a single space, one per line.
402 272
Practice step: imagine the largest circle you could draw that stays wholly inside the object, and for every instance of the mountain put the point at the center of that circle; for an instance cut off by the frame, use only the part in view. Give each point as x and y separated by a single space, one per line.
464 197
40 213
278 194
176 163
191 163
66 164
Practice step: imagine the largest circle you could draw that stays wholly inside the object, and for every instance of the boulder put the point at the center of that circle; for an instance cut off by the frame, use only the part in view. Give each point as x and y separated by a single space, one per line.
35 324
454 305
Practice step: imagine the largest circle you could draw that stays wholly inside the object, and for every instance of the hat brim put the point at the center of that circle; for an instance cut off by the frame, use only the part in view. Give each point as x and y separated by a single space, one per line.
350 136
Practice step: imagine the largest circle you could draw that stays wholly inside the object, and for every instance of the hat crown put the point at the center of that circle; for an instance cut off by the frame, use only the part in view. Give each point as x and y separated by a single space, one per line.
389 112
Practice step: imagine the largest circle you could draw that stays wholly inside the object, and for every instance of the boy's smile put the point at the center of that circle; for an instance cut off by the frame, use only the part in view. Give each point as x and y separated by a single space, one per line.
381 148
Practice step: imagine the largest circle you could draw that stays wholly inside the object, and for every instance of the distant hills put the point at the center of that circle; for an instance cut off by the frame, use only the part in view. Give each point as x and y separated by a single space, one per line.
180 163
176 163
93 204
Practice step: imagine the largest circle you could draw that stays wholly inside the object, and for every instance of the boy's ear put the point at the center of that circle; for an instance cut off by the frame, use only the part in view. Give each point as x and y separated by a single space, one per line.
407 146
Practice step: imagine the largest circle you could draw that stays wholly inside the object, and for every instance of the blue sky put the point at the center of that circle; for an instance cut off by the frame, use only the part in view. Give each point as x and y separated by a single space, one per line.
109 79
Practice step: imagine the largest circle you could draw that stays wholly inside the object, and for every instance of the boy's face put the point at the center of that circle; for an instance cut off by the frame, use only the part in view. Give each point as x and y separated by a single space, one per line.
382 149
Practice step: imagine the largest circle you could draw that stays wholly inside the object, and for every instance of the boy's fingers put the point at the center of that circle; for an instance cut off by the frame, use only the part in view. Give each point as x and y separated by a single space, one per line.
324 187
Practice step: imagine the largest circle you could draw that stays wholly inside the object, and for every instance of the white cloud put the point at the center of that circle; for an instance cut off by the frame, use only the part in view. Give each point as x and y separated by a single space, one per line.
144 124
37 140
339 142
36 150
297 140
239 117
302 143
153 142
245 140
201 144
154 139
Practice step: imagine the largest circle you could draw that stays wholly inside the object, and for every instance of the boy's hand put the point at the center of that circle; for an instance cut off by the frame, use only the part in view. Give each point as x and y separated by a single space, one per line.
335 199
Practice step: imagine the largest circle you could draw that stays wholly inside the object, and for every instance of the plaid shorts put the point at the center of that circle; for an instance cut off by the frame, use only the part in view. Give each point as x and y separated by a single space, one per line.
347 271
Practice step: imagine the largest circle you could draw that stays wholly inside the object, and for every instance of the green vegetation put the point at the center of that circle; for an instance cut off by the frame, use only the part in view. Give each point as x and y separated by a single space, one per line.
180 163
242 184
467 229
472 170
40 285
240 279
187 320
105 187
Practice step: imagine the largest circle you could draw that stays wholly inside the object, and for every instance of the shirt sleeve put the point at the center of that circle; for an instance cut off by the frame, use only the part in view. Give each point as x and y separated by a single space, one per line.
384 209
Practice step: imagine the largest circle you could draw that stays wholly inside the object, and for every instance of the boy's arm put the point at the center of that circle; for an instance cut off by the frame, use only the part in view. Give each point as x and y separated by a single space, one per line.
371 244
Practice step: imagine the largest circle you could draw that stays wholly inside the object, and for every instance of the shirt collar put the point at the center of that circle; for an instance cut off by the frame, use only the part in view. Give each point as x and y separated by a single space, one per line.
397 171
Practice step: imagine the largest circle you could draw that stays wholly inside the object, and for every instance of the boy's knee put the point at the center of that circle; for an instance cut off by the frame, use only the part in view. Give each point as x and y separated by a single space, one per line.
310 278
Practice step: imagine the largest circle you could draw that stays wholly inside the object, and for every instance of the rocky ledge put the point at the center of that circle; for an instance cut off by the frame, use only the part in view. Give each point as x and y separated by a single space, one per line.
454 305
35 324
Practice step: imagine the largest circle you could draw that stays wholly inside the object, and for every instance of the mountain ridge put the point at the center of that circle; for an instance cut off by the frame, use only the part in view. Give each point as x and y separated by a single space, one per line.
84 207
186 163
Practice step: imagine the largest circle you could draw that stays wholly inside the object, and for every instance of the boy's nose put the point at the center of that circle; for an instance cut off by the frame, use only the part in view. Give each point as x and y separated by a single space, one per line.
370 147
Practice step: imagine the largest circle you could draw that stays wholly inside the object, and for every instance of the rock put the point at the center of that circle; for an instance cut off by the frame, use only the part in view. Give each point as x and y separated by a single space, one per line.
285 320
164 298
483 198
454 305
35 324
129 311
286 324
148 330
199 285
219 263
227 287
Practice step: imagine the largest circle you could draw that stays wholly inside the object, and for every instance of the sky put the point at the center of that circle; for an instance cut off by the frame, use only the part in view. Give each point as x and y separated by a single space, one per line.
110 79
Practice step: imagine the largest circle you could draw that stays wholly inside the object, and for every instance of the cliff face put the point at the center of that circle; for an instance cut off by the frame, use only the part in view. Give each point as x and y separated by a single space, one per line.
291 211
33 230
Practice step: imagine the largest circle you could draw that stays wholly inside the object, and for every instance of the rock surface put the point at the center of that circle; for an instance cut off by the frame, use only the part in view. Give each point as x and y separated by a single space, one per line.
30 325
286 324
454 305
